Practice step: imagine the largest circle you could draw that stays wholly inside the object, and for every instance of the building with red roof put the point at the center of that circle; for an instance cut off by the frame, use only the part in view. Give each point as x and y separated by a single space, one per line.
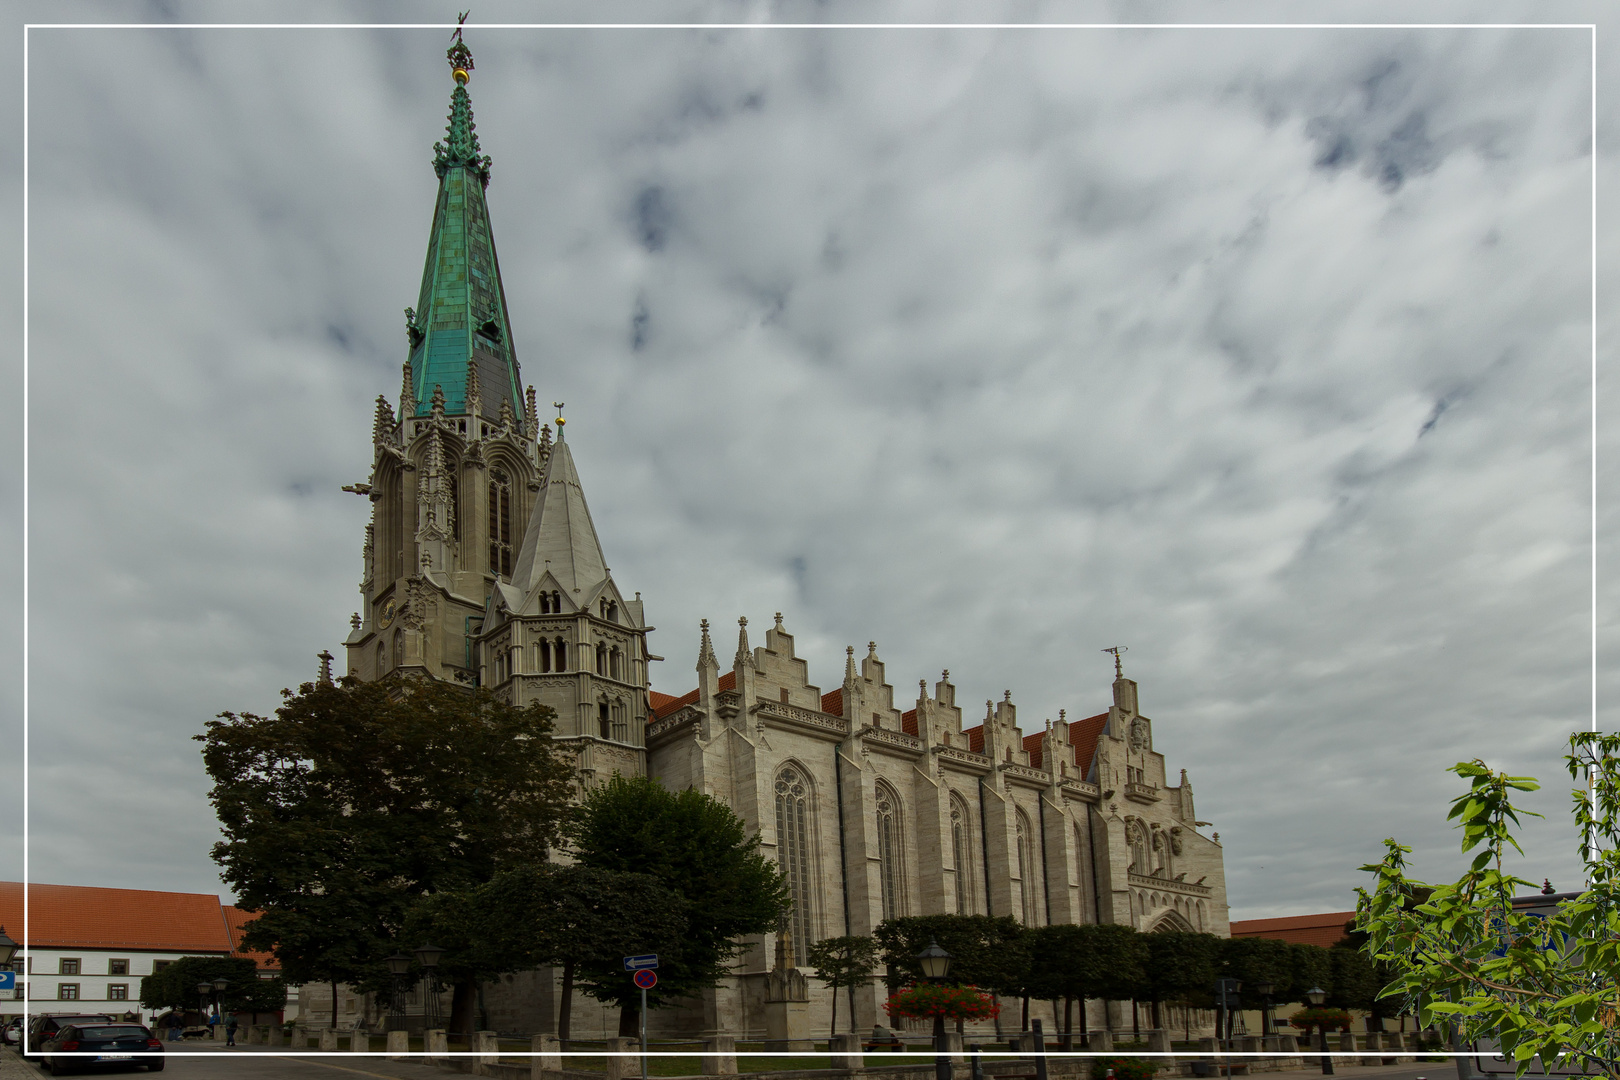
1325 929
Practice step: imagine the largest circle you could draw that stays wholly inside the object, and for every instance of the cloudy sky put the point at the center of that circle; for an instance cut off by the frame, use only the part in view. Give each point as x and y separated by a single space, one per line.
1266 353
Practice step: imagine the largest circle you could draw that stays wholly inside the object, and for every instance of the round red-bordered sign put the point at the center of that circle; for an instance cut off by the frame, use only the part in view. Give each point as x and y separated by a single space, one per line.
646 978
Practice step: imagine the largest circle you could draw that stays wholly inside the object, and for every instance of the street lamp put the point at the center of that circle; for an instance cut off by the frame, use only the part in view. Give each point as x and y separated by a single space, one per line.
1264 989
8 948
398 965
202 998
428 957
935 963
1316 995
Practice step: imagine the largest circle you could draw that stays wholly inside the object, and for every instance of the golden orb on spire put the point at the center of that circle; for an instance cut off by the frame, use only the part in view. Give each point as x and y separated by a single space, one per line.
461 75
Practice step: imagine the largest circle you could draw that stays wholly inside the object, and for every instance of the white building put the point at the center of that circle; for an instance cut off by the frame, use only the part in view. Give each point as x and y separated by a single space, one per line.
88 948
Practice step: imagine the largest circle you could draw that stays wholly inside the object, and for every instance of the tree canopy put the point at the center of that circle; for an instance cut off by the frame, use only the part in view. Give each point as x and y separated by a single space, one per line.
989 952
175 987
842 963
696 848
1463 954
356 800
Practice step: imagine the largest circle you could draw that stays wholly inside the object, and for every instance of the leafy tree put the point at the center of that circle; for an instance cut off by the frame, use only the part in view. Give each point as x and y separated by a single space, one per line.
1309 968
701 851
175 987
1064 964
843 963
1253 961
1181 965
579 918
1122 959
1462 953
989 952
355 800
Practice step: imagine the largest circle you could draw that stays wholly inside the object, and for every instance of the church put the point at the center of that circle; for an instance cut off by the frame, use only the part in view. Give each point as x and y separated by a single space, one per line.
482 567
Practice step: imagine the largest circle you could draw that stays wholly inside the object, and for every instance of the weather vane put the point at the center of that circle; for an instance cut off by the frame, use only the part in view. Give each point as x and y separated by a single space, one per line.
1116 650
461 61
559 407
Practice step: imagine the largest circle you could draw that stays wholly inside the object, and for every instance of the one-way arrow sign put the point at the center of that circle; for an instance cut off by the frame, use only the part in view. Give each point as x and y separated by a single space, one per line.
637 963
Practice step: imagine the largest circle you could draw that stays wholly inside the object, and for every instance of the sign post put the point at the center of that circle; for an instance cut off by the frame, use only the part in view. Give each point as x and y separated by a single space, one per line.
644 973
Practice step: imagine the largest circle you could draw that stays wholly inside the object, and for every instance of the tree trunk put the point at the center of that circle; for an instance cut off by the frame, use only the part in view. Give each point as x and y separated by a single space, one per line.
334 1003
629 1019
565 1013
462 1004
1068 1015
1156 1023
1023 1024
1085 1034
1136 1022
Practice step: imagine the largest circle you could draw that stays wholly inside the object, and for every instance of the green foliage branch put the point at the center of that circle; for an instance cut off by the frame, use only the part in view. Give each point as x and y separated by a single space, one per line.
1547 988
175 987
842 963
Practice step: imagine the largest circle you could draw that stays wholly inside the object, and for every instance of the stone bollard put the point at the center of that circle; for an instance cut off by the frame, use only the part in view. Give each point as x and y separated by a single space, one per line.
1289 1044
487 1045
328 1039
399 1045
436 1044
300 1037
953 1046
547 1057
720 1055
272 1036
1209 1050
1347 1041
1102 1041
1158 1041
359 1041
622 1060
846 1051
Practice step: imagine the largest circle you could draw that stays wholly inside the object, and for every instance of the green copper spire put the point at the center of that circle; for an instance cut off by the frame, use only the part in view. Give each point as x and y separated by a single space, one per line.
460 313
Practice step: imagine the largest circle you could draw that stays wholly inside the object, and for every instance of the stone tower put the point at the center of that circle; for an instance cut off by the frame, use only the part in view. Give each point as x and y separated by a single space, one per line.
481 562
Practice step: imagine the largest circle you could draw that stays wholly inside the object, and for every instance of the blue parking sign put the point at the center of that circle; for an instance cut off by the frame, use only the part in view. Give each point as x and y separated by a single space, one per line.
8 980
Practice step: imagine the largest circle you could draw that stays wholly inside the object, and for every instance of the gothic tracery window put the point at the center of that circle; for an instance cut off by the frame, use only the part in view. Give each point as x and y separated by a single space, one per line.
889 851
500 523
961 848
1026 867
793 851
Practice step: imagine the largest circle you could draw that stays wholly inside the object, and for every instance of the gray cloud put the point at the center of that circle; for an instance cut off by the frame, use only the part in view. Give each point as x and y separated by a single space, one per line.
1263 353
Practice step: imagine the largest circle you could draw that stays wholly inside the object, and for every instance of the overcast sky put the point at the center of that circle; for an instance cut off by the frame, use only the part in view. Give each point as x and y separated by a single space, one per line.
1264 353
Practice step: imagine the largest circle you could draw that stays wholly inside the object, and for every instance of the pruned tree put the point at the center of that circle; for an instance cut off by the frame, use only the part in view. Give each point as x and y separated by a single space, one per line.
843 963
175 987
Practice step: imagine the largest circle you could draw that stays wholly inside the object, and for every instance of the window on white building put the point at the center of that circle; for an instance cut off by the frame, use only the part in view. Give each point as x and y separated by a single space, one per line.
67 991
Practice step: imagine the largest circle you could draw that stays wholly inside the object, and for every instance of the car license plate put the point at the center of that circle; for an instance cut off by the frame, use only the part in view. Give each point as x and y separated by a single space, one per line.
116 1057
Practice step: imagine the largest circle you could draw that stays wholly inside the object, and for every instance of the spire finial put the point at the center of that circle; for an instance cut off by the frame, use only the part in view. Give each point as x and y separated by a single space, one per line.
779 620
1119 672
460 57
407 393
706 657
849 663
560 421
326 667
742 640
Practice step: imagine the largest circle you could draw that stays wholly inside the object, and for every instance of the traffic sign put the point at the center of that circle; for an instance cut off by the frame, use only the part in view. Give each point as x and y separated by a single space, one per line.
646 978
8 980
636 963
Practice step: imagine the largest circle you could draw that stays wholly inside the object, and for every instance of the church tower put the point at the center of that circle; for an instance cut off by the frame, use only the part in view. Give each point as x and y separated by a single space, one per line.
481 562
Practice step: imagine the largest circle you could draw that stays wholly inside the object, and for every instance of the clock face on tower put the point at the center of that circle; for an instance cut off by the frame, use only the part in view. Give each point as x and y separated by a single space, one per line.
385 614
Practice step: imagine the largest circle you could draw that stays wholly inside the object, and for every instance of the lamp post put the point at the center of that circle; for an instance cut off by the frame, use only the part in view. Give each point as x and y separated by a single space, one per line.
202 1003
428 957
1316 995
219 986
8 948
935 963
398 965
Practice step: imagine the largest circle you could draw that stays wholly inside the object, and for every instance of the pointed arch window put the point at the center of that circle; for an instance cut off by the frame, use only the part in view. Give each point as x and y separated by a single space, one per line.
1026 866
559 655
961 846
500 523
1137 838
889 851
793 851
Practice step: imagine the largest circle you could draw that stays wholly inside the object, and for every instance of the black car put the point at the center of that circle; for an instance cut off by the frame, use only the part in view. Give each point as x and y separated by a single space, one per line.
44 1025
99 1046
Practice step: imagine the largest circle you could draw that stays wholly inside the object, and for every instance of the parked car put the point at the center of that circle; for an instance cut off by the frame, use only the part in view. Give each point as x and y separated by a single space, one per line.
12 1034
113 1045
44 1025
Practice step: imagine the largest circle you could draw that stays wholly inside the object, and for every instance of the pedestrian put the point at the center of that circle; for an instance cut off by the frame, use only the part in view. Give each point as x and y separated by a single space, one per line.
230 1030
175 1027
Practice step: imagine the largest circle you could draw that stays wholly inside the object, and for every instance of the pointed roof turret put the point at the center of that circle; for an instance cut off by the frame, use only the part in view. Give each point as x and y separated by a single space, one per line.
460 315
560 537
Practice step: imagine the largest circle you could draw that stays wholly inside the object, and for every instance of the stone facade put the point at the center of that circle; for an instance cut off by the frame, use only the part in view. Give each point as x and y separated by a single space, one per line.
482 566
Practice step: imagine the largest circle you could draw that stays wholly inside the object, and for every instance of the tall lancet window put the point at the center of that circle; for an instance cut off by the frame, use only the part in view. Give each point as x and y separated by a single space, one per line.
1026 868
793 851
500 523
889 851
961 856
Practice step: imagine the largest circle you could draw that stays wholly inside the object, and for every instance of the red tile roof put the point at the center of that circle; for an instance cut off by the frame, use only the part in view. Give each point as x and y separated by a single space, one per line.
80 917
237 919
833 703
908 722
975 739
1324 929
664 704
1083 736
